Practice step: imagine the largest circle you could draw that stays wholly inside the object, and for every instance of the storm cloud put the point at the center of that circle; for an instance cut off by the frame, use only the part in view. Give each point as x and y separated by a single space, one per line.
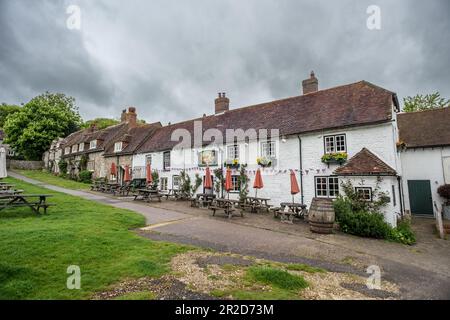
170 58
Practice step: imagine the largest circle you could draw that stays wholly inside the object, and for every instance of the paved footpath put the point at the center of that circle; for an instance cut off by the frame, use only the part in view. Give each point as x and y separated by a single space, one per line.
203 231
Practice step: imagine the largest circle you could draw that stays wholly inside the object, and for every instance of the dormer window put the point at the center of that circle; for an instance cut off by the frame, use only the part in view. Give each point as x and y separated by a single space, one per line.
118 146
74 148
81 147
335 143
93 144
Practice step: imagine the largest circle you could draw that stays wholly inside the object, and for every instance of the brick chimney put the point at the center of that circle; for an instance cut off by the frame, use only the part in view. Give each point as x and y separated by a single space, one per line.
130 117
310 85
222 103
123 115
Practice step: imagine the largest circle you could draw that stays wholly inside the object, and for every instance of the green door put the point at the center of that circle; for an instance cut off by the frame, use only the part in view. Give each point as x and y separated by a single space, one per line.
420 198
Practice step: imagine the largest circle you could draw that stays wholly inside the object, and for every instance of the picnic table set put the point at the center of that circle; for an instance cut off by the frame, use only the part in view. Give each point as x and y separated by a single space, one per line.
287 211
15 198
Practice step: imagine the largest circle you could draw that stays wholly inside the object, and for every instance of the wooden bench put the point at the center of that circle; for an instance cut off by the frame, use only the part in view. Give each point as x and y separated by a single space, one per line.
21 200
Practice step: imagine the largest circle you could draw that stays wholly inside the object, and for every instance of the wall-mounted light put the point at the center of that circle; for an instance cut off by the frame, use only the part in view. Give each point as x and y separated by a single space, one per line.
283 139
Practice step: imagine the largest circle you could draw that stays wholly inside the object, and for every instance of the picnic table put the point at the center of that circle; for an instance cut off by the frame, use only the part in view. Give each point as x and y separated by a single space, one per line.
203 199
227 205
6 186
110 187
147 195
9 192
255 204
289 210
170 193
25 200
97 185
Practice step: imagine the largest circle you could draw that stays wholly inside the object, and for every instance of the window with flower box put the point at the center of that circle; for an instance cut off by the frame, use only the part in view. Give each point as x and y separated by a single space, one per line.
232 152
268 149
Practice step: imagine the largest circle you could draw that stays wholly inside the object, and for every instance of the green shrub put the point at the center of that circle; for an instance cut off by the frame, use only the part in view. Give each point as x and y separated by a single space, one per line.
403 233
85 176
62 164
364 224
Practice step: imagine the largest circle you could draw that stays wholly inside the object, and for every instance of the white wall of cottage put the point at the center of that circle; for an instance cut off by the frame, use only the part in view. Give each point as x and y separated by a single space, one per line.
426 164
380 139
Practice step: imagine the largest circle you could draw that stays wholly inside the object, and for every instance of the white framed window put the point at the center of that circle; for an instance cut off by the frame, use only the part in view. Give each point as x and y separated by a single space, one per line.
327 187
232 152
236 186
118 146
176 182
364 193
67 150
148 159
74 148
81 147
268 149
93 144
163 183
335 143
166 160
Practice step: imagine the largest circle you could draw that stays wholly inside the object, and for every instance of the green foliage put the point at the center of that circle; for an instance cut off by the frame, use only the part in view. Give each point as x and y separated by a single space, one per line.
60 181
243 182
36 251
220 180
197 184
362 218
425 102
339 157
85 176
83 162
276 277
62 164
185 184
380 199
5 111
304 267
155 178
100 123
403 233
31 130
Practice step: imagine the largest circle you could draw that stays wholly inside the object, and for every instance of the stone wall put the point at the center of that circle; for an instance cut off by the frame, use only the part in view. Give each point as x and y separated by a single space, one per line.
25 165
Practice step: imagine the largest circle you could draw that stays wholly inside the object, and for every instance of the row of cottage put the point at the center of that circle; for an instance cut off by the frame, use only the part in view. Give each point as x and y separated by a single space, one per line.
352 132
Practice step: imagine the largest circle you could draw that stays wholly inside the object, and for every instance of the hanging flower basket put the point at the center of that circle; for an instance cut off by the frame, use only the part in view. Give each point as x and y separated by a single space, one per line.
338 157
233 164
264 162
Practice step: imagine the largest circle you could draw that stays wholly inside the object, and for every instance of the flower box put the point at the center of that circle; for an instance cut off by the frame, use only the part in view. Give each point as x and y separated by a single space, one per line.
233 164
338 157
264 162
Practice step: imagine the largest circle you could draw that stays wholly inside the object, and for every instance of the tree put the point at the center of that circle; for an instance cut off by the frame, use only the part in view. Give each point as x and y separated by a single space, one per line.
100 123
425 102
5 111
31 130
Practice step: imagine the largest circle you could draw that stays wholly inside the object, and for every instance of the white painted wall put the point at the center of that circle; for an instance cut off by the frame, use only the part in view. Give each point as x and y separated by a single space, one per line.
425 164
380 139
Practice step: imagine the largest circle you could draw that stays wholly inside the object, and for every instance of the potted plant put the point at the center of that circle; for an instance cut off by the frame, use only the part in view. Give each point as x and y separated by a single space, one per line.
264 162
234 164
444 192
337 157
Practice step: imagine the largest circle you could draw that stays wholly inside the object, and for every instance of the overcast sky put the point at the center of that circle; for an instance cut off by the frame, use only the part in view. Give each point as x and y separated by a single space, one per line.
169 58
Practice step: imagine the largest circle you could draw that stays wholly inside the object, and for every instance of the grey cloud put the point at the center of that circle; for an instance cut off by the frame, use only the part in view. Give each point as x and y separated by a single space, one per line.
170 58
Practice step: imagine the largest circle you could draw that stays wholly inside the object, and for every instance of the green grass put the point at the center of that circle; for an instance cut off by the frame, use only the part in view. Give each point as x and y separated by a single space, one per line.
304 267
36 250
276 277
54 180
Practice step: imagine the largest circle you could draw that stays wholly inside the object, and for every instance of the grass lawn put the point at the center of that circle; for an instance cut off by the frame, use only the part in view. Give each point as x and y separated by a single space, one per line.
55 180
36 250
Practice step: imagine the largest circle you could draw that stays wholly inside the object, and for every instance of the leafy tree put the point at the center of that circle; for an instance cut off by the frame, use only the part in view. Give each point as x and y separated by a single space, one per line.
46 117
5 111
100 123
425 102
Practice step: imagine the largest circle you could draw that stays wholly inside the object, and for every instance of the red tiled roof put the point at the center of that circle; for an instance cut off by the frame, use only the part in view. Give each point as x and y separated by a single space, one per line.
134 138
365 163
355 104
430 128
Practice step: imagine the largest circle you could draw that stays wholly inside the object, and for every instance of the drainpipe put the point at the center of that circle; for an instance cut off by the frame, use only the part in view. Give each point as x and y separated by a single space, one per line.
301 168
400 194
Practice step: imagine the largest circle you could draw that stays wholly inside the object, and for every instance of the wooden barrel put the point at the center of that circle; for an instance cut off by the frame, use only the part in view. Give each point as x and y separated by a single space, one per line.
321 216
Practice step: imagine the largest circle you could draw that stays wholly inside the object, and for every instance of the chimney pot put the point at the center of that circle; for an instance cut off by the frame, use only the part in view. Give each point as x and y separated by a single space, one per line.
310 85
130 117
222 103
